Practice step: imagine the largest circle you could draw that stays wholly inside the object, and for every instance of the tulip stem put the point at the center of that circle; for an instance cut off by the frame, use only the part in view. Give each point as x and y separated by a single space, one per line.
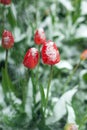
34 87
6 60
71 75
48 88
37 77
6 72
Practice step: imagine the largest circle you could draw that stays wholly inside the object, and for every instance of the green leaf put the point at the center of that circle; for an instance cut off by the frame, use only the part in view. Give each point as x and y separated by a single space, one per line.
28 99
81 31
71 114
12 15
85 77
18 36
6 83
58 113
42 95
67 4
42 126
63 64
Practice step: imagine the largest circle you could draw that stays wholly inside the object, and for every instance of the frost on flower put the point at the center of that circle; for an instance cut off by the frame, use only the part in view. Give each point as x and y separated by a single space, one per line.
33 52
40 30
6 40
39 36
31 58
41 33
51 52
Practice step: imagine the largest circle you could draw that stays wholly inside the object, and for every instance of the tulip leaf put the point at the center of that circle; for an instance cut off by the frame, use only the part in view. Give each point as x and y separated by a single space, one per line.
60 109
71 114
12 15
6 83
42 95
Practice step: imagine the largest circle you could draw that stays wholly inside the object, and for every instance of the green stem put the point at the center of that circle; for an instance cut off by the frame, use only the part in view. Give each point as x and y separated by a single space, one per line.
37 74
6 60
34 94
6 72
34 87
71 75
25 89
48 88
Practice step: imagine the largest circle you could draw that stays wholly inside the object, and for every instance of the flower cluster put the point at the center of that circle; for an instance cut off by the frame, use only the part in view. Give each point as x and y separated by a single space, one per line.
49 51
5 2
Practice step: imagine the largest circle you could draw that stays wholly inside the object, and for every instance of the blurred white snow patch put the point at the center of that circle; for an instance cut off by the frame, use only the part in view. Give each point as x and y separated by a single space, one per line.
63 64
17 35
80 20
45 92
2 103
46 22
60 109
53 7
71 114
54 99
21 69
84 7
8 111
29 100
2 57
81 31
38 95
16 100
67 4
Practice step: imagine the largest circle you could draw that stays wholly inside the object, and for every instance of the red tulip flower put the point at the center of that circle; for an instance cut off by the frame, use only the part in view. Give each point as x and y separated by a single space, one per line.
39 36
31 58
5 2
50 53
84 55
7 39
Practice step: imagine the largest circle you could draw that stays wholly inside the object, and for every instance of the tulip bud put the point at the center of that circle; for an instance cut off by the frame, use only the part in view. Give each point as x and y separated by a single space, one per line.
71 126
7 39
50 53
39 36
5 2
31 58
83 56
